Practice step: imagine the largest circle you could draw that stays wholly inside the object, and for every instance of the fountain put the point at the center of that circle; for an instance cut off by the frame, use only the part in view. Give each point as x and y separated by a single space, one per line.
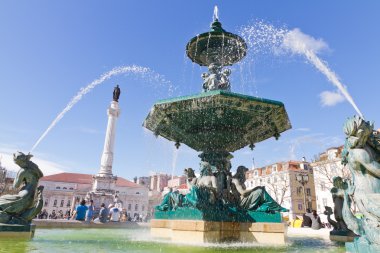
217 122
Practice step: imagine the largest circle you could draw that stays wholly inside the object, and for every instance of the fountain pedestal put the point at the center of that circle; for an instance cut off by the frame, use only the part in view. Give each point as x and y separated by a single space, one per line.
199 231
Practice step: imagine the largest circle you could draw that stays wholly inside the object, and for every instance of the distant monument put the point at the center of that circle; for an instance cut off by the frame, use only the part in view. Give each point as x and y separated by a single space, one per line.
17 211
104 182
362 156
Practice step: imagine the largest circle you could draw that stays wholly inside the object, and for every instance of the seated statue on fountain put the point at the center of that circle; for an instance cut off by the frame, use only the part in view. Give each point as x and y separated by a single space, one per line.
256 199
202 191
362 155
216 79
203 194
24 206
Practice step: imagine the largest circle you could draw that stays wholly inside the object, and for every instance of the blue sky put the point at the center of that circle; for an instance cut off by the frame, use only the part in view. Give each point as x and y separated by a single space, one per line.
50 49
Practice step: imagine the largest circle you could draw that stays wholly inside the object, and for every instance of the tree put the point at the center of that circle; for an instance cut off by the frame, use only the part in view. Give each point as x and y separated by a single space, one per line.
6 181
279 186
326 170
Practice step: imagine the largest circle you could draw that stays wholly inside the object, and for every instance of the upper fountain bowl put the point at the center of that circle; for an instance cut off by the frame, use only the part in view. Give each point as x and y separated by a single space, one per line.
216 47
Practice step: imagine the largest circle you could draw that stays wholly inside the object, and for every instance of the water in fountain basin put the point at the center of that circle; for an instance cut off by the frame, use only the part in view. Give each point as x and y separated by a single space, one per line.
264 38
139 240
144 72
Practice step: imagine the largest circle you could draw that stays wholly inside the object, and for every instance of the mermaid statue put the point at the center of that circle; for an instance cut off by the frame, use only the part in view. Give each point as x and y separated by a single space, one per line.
22 207
362 156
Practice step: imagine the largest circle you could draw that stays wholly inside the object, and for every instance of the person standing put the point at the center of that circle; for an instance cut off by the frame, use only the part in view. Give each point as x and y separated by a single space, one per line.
80 211
90 211
103 214
114 214
315 220
306 219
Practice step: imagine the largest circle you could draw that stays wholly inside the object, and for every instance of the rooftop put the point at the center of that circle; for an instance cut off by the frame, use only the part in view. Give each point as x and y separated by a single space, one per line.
79 178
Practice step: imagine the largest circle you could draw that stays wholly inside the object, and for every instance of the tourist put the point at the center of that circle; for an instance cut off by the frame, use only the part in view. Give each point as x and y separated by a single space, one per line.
114 213
60 214
53 215
315 220
80 211
103 214
90 211
67 214
306 219
123 217
43 215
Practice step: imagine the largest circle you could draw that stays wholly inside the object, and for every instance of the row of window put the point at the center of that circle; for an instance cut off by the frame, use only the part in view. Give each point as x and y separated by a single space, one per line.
68 204
136 207
299 191
268 180
308 205
63 188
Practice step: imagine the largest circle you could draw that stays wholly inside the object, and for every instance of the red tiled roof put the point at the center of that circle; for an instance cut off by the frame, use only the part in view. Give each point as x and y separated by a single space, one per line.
84 179
121 182
69 178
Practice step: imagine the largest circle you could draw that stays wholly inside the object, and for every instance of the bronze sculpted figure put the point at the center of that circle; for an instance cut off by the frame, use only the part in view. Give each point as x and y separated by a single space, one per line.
116 93
337 192
24 206
256 199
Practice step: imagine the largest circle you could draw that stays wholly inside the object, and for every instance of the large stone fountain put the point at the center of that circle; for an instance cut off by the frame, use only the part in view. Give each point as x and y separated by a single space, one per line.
217 122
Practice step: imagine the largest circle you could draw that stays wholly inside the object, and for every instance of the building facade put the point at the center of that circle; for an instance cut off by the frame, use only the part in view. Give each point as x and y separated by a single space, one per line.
159 181
63 191
290 183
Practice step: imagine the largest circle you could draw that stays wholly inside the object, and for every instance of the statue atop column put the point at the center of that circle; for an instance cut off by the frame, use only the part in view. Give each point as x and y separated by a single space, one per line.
116 93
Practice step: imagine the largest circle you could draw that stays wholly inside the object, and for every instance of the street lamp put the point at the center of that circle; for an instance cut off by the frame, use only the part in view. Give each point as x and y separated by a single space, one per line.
303 179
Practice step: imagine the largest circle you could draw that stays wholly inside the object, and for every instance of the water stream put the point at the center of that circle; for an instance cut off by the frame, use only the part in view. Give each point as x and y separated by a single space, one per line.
144 72
263 38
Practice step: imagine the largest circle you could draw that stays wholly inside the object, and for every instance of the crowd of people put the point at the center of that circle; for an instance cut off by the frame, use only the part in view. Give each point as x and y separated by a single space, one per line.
87 213
54 215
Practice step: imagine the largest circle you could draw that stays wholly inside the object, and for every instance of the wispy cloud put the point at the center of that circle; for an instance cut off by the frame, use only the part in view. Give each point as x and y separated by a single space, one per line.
299 42
331 98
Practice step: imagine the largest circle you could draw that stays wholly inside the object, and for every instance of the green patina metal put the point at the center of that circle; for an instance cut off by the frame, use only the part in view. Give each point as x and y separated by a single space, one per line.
217 120
216 46
217 214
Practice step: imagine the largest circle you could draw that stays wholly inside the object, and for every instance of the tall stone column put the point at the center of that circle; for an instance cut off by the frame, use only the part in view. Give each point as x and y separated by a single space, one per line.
104 181
107 156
